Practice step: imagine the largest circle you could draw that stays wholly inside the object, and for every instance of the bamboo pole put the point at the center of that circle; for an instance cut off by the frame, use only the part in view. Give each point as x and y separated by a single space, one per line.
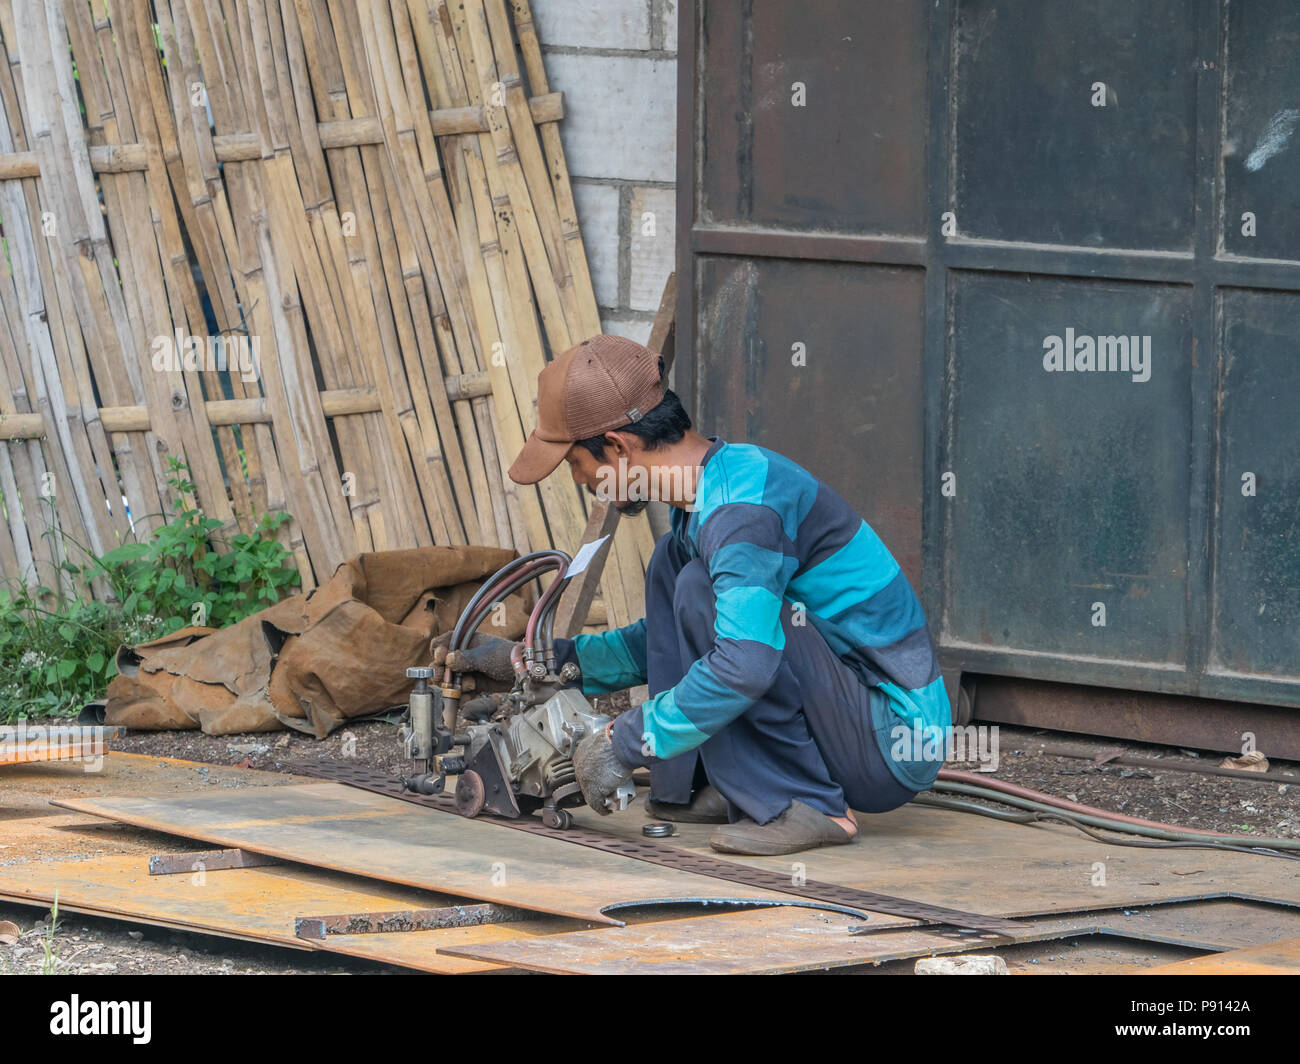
544 110
367 193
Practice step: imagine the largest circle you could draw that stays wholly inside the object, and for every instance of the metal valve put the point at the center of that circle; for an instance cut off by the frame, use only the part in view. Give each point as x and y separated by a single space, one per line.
419 737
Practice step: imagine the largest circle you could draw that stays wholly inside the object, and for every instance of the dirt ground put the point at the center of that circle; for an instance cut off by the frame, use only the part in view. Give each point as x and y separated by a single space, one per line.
1187 798
89 945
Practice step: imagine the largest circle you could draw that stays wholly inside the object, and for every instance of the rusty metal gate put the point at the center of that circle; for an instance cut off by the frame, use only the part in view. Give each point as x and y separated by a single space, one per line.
1021 280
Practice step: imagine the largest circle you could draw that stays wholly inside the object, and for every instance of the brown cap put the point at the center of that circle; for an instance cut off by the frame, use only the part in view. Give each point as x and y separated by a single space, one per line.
603 383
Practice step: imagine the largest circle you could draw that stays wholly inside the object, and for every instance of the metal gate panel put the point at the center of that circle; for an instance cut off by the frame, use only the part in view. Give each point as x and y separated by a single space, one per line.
1261 152
1256 619
846 161
1072 536
843 374
1098 166
1076 122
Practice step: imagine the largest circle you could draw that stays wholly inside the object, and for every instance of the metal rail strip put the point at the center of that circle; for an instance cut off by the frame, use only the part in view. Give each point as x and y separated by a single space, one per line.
683 860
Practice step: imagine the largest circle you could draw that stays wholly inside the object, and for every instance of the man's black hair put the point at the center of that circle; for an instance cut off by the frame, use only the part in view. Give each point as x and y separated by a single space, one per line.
666 423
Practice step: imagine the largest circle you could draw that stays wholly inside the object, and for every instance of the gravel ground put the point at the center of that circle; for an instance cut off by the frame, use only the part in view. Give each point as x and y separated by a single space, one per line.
91 945
1215 803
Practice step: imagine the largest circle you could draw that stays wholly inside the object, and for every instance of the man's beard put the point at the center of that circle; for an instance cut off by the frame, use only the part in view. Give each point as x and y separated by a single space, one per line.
628 507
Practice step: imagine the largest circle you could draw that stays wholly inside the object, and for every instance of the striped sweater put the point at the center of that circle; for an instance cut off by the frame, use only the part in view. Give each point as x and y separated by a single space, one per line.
775 538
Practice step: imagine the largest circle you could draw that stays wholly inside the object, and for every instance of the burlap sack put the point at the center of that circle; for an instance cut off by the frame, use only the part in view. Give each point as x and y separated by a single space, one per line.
313 661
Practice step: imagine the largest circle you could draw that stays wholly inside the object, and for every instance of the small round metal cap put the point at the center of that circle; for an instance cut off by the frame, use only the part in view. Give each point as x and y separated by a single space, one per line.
657 831
419 672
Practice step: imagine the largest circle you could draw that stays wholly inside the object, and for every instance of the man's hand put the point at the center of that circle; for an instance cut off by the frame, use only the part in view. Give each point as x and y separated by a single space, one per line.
486 660
598 770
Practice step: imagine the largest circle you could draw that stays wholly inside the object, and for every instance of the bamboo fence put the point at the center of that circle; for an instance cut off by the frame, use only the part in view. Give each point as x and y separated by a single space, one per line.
370 197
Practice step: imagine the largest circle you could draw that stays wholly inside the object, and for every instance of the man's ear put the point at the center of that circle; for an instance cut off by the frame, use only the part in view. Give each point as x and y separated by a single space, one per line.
619 445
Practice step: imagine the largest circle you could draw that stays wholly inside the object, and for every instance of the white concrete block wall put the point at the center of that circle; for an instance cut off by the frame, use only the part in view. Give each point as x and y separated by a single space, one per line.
616 63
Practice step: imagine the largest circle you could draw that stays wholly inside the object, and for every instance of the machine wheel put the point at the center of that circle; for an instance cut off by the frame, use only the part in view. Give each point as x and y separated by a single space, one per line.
560 819
470 793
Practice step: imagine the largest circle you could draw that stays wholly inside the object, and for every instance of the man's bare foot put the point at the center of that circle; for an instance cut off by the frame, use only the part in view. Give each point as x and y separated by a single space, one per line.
847 822
800 827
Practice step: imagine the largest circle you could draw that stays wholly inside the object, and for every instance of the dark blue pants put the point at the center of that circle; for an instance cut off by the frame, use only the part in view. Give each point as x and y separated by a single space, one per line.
808 738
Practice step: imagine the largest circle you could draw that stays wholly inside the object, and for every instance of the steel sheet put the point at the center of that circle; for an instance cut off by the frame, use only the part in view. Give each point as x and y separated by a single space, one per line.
773 941
999 869
755 942
258 905
350 830
1277 958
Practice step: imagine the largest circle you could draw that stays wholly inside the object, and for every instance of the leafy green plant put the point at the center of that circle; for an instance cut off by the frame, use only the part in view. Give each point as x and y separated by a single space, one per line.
53 661
57 650
182 579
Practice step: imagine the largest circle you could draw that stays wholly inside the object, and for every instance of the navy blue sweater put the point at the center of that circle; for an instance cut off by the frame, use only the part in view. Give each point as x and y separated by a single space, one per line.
775 538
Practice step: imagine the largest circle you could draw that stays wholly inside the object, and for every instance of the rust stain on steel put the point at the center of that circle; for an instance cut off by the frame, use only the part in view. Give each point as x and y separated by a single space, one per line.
350 830
1276 958
31 755
420 949
772 941
32 784
257 905
941 857
1141 716
825 895
755 942
251 902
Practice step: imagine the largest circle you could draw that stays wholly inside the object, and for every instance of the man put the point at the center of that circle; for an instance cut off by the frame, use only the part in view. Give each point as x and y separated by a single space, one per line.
783 646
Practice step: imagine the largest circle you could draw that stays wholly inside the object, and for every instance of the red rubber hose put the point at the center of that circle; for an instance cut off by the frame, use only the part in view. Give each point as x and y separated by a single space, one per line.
975 779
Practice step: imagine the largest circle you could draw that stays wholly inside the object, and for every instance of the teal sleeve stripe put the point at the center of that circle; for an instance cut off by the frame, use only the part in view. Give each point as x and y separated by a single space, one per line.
613 660
674 728
740 540
741 478
852 574
750 613
707 699
925 707
738 564
666 729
